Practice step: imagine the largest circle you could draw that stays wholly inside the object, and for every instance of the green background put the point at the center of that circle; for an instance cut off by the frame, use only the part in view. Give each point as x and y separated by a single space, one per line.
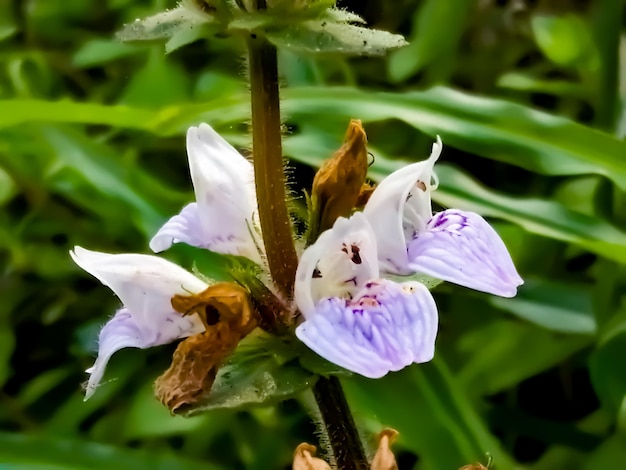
527 98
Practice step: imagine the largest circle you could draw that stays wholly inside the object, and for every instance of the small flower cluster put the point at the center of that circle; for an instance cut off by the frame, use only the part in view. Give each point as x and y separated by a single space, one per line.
353 313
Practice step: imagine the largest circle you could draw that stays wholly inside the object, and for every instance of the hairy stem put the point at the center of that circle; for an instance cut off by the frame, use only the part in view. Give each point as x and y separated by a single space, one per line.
268 164
342 432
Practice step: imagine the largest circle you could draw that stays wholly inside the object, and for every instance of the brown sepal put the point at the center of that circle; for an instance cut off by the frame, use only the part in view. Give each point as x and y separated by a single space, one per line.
384 458
303 459
228 316
338 182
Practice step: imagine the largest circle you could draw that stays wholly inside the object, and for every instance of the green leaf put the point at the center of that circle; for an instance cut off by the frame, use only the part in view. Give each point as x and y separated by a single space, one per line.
607 371
187 16
566 40
101 51
327 37
263 370
490 347
430 41
560 307
50 452
491 128
450 433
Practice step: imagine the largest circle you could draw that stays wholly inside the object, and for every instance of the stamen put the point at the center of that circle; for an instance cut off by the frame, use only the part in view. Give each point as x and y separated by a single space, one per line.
317 273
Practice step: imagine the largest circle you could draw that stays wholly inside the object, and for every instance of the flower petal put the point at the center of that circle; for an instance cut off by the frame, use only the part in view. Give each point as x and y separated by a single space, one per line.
184 227
461 247
123 331
222 219
400 206
145 284
338 264
386 327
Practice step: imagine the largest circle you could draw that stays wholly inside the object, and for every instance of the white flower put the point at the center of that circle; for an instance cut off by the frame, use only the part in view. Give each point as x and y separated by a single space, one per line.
452 245
352 317
223 217
145 285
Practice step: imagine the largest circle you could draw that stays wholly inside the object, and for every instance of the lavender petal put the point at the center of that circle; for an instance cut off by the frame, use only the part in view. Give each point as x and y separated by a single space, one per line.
462 248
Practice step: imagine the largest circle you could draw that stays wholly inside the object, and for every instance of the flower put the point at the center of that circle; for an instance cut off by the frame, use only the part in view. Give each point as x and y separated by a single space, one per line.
145 284
223 217
452 245
352 317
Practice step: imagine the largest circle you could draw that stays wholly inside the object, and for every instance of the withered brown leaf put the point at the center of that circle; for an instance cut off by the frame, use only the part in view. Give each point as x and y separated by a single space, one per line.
228 316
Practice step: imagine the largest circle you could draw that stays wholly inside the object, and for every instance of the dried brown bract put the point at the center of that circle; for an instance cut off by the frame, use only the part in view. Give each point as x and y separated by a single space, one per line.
228 316
338 182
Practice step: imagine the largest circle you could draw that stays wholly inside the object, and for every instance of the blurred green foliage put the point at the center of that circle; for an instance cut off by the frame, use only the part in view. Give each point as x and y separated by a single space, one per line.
529 99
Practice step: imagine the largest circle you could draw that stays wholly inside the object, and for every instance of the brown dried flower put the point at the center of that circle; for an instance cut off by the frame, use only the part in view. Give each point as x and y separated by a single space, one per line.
228 316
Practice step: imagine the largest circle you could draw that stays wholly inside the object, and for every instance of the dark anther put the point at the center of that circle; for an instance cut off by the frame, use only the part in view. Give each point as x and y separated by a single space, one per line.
212 315
373 158
344 249
421 185
356 257
316 273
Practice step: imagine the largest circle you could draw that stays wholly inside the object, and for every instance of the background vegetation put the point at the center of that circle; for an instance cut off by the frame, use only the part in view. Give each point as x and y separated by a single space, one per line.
527 98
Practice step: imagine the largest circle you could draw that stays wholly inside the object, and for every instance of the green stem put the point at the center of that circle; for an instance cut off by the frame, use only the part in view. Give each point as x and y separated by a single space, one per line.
342 432
269 176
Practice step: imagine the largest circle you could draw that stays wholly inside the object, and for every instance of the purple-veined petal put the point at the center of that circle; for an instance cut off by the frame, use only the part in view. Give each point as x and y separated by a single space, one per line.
145 284
462 248
400 206
123 331
384 328
223 217
337 264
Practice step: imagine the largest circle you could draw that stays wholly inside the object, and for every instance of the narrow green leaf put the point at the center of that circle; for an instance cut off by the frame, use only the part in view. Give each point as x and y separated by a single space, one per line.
50 452
560 307
450 434
488 127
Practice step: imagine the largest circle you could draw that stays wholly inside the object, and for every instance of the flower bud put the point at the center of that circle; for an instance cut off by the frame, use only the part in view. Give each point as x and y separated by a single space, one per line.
303 459
384 458
337 184
228 316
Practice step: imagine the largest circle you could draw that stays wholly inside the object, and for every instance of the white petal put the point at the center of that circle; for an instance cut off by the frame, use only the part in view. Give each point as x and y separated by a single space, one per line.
461 247
385 328
145 284
224 218
337 264
184 227
123 331
399 206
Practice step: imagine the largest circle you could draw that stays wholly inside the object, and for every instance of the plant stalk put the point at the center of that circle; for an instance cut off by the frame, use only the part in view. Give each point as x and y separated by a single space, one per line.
342 432
269 175
277 235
